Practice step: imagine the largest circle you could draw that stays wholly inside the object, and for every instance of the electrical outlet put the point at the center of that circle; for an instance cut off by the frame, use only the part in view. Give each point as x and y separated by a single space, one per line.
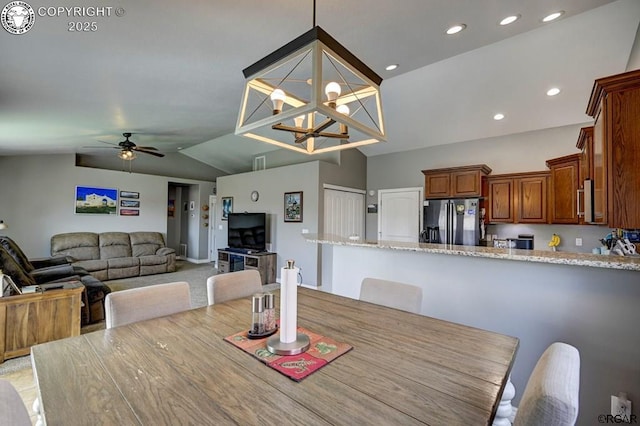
621 406
578 242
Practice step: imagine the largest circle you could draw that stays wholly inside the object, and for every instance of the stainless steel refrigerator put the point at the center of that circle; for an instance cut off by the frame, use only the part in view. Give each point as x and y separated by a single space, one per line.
453 221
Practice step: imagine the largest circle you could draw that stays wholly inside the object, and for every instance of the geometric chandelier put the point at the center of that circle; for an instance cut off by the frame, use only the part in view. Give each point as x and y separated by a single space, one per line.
312 96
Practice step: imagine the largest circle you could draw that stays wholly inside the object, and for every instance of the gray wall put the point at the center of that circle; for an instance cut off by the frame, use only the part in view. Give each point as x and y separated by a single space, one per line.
634 57
272 183
594 309
523 152
286 237
38 198
172 164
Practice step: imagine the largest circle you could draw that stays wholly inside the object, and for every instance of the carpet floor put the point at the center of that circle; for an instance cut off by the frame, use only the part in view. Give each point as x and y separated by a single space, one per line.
195 274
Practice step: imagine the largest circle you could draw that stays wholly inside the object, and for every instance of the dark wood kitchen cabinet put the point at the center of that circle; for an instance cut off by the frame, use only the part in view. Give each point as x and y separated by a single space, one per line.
615 106
585 145
564 189
452 182
518 198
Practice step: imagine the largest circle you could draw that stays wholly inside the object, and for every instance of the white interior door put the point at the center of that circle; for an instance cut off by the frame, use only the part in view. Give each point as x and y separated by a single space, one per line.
344 212
399 214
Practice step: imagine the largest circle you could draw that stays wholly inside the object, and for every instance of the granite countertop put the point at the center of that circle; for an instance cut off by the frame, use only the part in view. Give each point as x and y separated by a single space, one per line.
631 263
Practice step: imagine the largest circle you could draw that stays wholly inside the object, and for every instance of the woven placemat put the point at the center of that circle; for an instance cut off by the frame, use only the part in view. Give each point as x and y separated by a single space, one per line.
322 351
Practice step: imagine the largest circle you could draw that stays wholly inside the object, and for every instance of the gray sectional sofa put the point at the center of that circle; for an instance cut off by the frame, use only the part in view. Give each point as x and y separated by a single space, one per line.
113 255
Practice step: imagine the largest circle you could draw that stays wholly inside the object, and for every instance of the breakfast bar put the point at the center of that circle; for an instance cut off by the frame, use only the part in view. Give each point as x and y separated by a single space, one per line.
589 301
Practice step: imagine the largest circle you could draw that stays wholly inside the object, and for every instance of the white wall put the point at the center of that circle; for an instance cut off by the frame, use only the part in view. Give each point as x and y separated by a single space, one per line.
38 199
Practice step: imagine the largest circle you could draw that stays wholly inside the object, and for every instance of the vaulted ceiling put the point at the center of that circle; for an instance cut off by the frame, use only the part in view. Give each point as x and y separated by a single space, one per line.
171 71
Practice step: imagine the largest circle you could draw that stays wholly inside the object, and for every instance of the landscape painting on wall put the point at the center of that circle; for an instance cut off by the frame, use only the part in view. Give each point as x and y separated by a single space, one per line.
91 200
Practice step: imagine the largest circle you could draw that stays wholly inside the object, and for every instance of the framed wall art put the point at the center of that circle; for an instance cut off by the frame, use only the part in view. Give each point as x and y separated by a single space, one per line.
227 207
129 203
129 212
129 194
293 206
92 200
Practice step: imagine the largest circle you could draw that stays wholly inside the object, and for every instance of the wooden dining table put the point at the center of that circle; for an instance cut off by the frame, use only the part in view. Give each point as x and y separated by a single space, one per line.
403 369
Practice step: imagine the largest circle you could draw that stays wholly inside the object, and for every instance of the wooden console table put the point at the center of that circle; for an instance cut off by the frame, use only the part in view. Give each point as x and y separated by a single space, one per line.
264 262
29 319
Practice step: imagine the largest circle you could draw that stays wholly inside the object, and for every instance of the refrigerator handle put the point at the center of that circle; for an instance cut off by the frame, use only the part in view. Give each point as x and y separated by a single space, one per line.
450 222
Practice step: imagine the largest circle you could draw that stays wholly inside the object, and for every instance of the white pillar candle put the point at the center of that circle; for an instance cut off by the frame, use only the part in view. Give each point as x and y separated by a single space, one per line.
288 304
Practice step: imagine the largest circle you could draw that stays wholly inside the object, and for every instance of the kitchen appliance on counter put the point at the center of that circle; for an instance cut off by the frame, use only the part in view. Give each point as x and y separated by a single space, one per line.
452 221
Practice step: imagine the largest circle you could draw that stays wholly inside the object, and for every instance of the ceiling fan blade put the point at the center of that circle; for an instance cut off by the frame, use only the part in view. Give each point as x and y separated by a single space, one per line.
148 148
156 154
108 143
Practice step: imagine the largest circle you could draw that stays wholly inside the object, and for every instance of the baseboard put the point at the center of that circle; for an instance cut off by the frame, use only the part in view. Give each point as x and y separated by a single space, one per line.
190 260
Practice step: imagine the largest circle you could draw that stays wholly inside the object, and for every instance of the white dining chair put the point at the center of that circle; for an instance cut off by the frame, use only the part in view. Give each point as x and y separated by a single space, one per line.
142 303
552 392
392 294
233 285
12 409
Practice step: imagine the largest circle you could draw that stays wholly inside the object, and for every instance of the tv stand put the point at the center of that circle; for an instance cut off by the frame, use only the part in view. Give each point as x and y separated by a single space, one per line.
233 260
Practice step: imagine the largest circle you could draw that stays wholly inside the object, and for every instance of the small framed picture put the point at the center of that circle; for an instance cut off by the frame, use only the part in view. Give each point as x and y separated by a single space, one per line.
293 206
129 212
129 203
227 207
129 194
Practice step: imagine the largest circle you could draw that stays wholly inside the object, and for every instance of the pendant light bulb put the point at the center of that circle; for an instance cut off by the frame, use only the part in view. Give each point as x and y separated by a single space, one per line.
277 97
332 90
343 109
299 120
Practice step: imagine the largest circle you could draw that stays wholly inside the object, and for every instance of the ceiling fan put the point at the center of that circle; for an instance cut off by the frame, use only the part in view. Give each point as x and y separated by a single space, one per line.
128 149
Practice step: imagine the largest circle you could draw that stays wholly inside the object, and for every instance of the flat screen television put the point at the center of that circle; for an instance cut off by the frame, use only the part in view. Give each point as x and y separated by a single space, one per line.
247 231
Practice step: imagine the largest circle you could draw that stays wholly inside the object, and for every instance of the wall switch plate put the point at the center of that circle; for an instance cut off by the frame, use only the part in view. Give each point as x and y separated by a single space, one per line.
621 406
578 242
220 227
305 231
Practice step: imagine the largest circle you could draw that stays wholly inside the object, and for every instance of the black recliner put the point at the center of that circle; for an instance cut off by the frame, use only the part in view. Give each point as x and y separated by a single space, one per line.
24 272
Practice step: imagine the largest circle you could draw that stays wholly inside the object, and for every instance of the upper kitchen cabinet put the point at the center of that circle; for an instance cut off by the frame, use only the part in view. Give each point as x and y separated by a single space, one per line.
585 145
518 198
564 190
615 106
455 182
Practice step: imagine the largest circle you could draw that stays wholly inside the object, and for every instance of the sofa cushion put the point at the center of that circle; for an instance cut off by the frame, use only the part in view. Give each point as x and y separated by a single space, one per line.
12 268
78 245
114 245
152 260
146 243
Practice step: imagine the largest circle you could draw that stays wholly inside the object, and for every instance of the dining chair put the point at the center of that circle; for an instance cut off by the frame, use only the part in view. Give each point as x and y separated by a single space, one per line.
12 409
233 285
552 392
142 303
392 294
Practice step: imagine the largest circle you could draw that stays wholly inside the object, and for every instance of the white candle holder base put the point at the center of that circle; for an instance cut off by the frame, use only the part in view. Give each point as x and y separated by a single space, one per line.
301 344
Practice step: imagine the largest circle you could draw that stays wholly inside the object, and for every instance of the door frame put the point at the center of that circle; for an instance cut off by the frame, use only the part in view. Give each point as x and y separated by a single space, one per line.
211 236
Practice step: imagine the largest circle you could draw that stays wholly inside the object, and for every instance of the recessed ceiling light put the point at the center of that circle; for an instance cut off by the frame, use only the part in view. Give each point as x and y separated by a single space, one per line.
553 91
509 19
391 67
179 148
553 16
498 116
456 29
